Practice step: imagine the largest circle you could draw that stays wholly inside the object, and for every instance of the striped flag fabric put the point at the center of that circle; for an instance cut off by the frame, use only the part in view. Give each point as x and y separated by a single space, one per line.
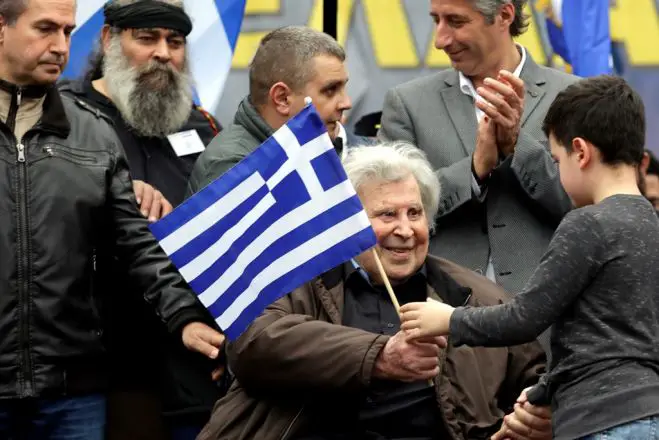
216 26
282 216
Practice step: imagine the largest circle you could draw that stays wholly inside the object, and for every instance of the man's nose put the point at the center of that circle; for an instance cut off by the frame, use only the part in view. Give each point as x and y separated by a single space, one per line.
60 44
443 36
345 103
162 52
404 228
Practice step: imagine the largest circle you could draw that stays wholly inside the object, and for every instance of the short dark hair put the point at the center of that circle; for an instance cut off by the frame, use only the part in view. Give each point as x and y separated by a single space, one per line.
285 55
12 9
605 111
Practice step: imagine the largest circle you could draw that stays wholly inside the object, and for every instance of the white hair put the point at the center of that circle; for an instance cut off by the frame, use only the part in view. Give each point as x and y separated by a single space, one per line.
393 162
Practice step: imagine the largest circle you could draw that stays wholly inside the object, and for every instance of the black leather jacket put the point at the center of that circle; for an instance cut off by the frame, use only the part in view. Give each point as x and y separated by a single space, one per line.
66 202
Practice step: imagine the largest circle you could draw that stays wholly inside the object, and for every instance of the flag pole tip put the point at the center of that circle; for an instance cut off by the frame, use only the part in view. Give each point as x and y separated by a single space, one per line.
307 100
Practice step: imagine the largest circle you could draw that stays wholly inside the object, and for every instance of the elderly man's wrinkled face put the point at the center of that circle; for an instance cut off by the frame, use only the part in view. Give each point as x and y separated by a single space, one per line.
35 49
328 92
399 220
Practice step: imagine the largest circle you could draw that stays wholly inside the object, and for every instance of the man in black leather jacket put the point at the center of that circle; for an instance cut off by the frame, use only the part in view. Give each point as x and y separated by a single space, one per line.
66 205
140 77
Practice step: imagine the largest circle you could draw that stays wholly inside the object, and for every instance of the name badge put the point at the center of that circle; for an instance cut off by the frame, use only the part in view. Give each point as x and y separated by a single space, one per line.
186 142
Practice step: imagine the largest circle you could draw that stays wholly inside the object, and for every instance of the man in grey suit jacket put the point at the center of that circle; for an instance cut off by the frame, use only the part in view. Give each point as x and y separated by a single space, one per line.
482 130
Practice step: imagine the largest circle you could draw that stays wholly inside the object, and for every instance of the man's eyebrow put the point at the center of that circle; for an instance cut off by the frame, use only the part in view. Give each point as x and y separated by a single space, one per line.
334 83
51 23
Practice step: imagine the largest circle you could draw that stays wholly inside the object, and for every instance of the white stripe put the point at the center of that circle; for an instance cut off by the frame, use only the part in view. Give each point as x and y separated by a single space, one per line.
210 52
275 231
297 158
211 215
309 152
85 10
206 259
293 259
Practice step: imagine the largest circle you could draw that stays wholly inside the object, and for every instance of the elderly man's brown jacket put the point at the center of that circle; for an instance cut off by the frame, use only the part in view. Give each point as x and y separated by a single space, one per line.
297 365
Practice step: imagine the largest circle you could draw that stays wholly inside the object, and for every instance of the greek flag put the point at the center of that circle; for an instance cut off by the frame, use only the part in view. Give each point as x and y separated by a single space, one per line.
578 32
282 216
216 25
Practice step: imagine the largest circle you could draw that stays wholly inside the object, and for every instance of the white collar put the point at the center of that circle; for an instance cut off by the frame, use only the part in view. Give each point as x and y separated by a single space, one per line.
467 86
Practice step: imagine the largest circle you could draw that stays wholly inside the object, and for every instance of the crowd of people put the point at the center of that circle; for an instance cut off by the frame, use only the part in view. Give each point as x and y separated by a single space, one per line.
513 205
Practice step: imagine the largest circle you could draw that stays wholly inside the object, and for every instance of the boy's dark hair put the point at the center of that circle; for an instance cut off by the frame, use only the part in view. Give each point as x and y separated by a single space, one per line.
603 110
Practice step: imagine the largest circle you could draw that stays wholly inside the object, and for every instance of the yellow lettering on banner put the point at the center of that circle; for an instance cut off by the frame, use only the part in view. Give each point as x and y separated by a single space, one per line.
530 39
635 23
262 7
342 21
391 37
246 47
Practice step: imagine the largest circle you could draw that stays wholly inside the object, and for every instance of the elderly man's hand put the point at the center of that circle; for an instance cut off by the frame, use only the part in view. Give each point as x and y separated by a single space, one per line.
153 204
409 361
526 422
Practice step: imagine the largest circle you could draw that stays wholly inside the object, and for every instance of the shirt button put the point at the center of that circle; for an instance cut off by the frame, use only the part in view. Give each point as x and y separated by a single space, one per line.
390 325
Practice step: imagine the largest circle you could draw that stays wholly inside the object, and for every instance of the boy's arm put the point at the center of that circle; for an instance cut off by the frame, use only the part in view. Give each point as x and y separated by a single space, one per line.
572 260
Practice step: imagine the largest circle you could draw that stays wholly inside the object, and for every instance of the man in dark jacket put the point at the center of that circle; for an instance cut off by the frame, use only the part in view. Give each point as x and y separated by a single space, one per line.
66 205
140 78
291 63
337 367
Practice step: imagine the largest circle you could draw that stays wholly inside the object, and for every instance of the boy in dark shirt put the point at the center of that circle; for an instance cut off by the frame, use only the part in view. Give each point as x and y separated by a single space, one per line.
598 283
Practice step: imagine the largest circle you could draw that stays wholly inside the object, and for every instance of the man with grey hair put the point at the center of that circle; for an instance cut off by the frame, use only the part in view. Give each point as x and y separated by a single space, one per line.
291 63
67 206
328 361
480 124
140 78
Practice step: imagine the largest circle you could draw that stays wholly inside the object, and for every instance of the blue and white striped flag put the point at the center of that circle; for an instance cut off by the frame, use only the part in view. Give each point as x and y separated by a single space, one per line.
282 216
216 26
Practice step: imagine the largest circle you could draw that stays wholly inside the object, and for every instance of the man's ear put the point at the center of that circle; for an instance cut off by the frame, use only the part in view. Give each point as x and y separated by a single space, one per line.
3 26
583 150
507 15
645 163
106 34
280 96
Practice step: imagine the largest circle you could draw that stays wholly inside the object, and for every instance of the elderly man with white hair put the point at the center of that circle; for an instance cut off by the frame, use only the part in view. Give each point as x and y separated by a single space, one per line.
328 360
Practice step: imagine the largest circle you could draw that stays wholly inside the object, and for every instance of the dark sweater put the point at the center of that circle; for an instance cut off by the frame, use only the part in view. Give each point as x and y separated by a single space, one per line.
598 284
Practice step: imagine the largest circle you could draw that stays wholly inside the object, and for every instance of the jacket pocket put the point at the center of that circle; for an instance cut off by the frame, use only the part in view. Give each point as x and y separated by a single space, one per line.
77 156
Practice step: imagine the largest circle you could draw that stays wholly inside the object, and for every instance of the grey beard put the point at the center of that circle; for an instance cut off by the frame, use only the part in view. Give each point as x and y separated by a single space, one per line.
154 100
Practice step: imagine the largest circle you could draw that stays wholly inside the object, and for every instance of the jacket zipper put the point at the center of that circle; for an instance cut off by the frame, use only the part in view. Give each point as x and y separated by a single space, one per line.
290 425
24 274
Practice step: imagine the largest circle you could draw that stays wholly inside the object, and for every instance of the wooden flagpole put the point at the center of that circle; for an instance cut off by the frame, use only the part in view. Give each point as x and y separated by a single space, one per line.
390 290
387 284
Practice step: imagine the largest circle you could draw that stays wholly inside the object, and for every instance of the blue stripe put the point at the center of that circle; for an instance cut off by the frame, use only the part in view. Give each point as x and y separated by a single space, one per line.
265 160
297 277
207 238
307 125
82 45
329 174
289 195
285 244
231 14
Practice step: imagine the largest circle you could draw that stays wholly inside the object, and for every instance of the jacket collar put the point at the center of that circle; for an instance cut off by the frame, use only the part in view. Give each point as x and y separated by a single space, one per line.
53 119
249 117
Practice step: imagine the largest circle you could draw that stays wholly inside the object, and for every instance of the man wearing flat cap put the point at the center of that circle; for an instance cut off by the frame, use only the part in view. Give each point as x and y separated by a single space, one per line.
140 78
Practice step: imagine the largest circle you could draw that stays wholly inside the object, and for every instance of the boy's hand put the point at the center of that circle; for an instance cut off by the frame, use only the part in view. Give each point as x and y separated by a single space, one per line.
420 320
